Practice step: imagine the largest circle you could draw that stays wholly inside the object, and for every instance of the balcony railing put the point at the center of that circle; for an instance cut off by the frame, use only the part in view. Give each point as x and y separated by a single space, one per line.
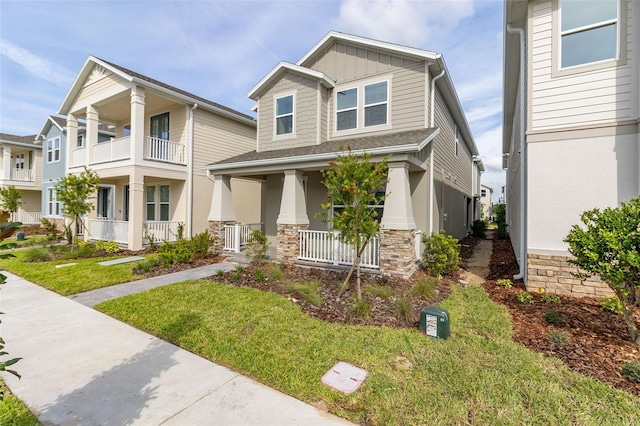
163 150
111 150
24 175
326 247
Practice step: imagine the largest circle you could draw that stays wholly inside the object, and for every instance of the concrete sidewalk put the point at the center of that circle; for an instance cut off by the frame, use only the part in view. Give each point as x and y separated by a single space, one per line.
81 367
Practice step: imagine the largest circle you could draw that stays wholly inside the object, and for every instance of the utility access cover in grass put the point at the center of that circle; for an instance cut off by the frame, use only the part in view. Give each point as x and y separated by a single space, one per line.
344 377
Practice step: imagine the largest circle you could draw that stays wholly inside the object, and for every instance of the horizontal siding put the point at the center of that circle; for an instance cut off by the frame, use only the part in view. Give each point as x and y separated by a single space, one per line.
590 97
217 137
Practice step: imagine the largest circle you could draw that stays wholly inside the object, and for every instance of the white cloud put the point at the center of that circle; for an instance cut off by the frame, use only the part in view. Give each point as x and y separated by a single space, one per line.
34 64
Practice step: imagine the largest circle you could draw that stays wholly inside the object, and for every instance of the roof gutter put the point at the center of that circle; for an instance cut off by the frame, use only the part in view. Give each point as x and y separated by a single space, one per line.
433 147
523 159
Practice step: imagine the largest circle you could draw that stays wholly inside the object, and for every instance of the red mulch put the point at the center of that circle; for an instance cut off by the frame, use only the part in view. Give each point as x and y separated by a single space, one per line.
599 343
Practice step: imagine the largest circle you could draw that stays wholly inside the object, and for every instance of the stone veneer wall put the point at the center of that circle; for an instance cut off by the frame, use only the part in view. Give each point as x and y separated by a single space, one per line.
288 246
397 252
553 275
216 229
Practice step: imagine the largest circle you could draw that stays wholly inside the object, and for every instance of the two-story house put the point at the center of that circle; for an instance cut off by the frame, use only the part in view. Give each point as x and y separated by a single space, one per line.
376 97
21 167
151 181
486 206
571 126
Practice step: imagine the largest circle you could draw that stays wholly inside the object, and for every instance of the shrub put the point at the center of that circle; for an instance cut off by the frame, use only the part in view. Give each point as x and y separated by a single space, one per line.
631 371
378 290
309 292
524 297
38 254
553 317
108 246
237 274
424 287
503 282
180 252
550 298
200 244
257 246
402 308
276 273
219 272
150 237
559 337
78 253
479 228
611 304
82 243
259 275
361 308
499 211
147 265
51 229
441 254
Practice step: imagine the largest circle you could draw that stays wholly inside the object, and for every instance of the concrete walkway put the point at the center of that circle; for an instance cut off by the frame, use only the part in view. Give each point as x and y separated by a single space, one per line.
478 266
81 367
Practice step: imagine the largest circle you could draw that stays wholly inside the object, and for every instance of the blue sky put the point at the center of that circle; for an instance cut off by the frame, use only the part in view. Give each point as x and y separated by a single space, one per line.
220 49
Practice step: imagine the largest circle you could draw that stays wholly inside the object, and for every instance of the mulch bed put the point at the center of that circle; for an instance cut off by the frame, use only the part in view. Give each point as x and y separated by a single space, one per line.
599 343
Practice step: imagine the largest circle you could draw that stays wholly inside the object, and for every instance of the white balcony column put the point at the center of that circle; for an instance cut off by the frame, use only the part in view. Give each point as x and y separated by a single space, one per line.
137 210
398 208
137 142
293 208
221 201
91 138
6 162
72 137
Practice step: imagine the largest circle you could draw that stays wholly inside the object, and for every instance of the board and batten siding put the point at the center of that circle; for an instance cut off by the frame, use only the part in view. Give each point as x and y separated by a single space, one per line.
305 113
57 169
597 96
345 64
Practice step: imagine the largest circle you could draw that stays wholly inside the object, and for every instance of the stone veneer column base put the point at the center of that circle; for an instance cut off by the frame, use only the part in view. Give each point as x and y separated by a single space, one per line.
397 252
216 229
553 275
288 246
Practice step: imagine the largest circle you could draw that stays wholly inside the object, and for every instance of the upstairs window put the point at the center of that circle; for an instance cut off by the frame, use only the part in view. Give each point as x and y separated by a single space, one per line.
347 109
588 31
362 106
483 192
284 115
53 150
80 143
160 126
375 104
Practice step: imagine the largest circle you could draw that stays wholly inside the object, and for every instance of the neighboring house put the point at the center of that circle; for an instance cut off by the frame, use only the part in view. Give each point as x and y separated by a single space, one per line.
151 182
486 194
382 98
53 140
571 126
22 168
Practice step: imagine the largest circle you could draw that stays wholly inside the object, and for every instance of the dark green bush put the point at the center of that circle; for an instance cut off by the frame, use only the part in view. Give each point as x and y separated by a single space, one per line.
631 371
441 254
479 228
499 211
201 243
554 317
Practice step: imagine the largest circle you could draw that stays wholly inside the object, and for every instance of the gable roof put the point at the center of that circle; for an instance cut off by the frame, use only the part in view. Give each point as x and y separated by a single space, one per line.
406 142
27 141
151 83
282 68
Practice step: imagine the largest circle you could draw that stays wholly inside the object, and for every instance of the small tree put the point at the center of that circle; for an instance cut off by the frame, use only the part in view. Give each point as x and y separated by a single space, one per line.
76 193
608 245
353 182
10 198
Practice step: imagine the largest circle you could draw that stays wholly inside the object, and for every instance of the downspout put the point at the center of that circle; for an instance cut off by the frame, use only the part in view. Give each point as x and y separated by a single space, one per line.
433 149
523 159
190 174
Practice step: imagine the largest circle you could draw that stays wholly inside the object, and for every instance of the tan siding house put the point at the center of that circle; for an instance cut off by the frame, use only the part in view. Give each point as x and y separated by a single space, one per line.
374 97
570 127
151 177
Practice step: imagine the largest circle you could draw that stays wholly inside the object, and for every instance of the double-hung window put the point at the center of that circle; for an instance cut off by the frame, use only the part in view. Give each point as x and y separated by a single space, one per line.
53 205
347 109
375 104
588 31
53 150
362 106
158 202
284 115
80 143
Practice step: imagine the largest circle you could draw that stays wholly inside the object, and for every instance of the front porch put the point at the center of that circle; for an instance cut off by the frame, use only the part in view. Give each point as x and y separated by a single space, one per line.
105 229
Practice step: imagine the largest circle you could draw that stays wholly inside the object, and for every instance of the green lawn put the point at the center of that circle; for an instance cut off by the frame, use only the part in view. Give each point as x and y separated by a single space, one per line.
478 376
13 412
86 275
29 240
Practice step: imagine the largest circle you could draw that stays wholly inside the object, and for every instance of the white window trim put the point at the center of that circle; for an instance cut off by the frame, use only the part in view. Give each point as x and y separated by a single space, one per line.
360 86
556 43
291 135
82 143
156 202
344 89
365 106
53 150
52 202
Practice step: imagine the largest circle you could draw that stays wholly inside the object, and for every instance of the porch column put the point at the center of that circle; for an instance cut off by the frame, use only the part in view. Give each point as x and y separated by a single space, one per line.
292 218
137 211
6 162
397 226
221 212
72 137
92 134
136 141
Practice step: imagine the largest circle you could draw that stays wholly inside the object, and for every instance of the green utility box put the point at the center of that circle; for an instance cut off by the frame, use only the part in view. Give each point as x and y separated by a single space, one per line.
434 322
19 236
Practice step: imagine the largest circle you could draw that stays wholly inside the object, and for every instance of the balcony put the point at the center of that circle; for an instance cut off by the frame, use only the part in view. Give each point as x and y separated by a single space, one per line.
23 175
157 149
112 150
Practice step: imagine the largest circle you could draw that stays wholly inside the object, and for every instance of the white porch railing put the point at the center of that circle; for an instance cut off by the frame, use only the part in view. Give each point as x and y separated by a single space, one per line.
163 150
237 236
106 229
161 230
78 157
326 247
26 218
112 150
24 175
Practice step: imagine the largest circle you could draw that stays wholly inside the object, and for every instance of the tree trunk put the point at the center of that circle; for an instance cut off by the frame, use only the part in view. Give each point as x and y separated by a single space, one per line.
356 264
628 319
358 288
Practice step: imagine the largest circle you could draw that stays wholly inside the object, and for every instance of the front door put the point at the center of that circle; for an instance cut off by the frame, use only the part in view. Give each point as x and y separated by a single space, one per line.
126 202
105 202
160 126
